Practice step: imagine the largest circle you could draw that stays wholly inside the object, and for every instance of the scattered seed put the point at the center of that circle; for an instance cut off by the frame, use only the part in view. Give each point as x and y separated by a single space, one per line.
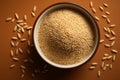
108 20
23 40
12 66
25 18
19 36
107 45
18 25
108 30
11 53
96 18
101 8
104 16
114 57
20 21
22 75
94 63
29 32
112 38
34 8
12 20
14 38
105 29
33 14
107 65
92 67
15 59
98 73
102 65
105 5
107 35
101 41
91 4
20 50
23 71
113 33
107 13
25 26
12 43
109 57
112 44
17 51
17 43
15 28
22 29
26 60
93 10
104 58
114 51
8 19
29 28
28 43
110 66
106 55
104 68
112 25
22 67
16 16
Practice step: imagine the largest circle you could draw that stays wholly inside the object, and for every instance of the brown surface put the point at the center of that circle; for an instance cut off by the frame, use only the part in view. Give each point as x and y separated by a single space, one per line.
8 8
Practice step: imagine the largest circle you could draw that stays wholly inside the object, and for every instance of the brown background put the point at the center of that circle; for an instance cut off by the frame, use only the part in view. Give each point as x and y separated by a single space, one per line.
9 7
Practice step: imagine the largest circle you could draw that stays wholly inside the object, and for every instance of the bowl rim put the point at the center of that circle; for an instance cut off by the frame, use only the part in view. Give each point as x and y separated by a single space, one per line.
41 54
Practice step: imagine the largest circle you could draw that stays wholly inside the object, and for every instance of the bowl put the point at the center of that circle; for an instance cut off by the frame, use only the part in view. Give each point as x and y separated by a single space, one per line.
73 6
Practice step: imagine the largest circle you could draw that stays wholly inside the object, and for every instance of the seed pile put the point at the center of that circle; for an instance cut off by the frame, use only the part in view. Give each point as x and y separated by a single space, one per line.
20 29
110 35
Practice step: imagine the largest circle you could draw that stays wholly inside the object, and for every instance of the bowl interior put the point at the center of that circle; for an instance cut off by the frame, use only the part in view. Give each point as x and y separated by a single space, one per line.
73 6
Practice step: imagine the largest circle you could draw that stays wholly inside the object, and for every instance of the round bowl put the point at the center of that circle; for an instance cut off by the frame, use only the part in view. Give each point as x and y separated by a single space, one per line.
85 13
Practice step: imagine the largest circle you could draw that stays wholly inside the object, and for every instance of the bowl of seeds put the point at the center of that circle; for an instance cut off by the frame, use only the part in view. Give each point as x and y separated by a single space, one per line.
65 35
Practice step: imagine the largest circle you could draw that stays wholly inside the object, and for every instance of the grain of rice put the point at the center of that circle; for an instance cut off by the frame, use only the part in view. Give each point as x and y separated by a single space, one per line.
26 60
105 5
114 51
106 55
96 18
29 28
114 58
28 42
17 51
105 29
107 45
18 25
109 57
22 29
14 38
110 66
12 20
12 66
8 19
22 67
101 41
23 71
17 43
25 26
104 58
107 13
112 43
12 43
23 40
93 10
22 75
104 16
107 35
33 14
102 65
107 65
94 63
113 33
15 28
91 4
112 25
108 20
101 8
112 38
15 59
18 35
104 68
20 50
34 8
29 33
25 17
16 16
20 21
11 53
108 30
98 73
